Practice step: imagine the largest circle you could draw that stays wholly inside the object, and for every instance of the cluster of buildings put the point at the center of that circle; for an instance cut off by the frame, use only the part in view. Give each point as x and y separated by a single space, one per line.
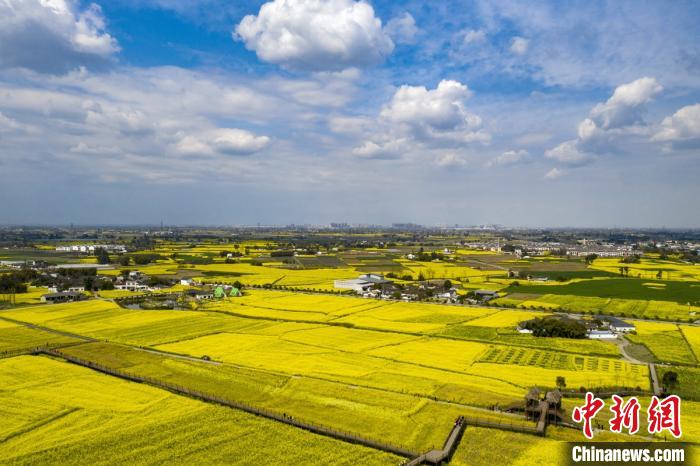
376 286
608 328
90 248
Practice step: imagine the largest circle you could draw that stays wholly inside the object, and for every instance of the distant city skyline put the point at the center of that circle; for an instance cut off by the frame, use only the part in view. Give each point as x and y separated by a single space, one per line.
210 112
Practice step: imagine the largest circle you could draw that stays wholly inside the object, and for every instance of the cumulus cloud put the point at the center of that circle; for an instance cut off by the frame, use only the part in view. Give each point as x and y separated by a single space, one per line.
238 141
228 141
568 153
402 29
53 36
437 114
682 129
519 45
316 35
166 124
473 36
624 108
554 173
433 118
510 157
450 160
621 115
387 149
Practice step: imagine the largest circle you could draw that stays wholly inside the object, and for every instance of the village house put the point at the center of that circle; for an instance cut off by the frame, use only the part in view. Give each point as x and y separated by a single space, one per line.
62 297
486 295
619 325
363 283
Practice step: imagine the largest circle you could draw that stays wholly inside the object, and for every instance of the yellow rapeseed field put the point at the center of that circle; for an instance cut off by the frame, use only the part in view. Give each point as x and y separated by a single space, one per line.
54 412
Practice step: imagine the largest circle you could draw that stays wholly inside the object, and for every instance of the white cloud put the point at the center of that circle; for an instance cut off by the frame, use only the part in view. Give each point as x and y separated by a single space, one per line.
450 160
568 153
228 141
238 141
519 45
158 123
438 114
53 35
430 118
316 35
473 36
682 129
388 149
608 122
554 173
402 29
626 106
510 157
7 123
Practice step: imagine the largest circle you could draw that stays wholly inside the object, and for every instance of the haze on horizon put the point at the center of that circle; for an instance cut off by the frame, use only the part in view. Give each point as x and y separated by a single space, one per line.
306 111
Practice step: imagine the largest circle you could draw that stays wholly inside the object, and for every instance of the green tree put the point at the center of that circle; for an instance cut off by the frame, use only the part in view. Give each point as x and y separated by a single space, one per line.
561 382
670 379
102 256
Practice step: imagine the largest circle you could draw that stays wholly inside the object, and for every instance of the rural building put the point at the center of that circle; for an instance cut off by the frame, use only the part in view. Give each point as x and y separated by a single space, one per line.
619 325
186 282
362 283
203 294
131 285
486 295
601 335
62 297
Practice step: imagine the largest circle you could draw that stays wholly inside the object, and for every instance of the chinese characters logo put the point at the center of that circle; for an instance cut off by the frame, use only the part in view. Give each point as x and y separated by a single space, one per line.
661 415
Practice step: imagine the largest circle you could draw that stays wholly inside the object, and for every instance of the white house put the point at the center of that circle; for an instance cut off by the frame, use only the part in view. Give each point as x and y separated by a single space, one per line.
362 283
619 325
601 335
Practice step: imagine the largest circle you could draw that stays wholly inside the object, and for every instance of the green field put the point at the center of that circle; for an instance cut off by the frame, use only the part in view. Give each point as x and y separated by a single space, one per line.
623 288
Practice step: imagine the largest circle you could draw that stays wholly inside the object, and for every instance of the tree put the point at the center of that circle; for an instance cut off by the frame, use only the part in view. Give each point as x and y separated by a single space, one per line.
561 382
102 256
447 285
89 283
590 258
670 379
124 260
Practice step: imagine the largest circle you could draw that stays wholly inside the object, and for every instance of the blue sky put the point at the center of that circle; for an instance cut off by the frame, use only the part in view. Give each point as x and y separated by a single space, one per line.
308 111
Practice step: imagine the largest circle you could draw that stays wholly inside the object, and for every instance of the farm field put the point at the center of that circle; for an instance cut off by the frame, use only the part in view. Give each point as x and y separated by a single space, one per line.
15 337
648 268
385 369
378 413
682 292
639 308
665 341
55 412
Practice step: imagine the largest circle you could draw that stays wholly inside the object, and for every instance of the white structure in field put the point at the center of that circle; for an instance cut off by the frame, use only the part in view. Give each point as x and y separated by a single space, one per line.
619 325
601 335
90 248
362 283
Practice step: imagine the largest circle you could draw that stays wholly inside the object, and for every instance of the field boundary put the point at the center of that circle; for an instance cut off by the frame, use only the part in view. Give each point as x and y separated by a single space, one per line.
314 428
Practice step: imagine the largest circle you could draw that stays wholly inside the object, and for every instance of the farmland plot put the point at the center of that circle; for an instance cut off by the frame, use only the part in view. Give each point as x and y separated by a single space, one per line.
54 412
